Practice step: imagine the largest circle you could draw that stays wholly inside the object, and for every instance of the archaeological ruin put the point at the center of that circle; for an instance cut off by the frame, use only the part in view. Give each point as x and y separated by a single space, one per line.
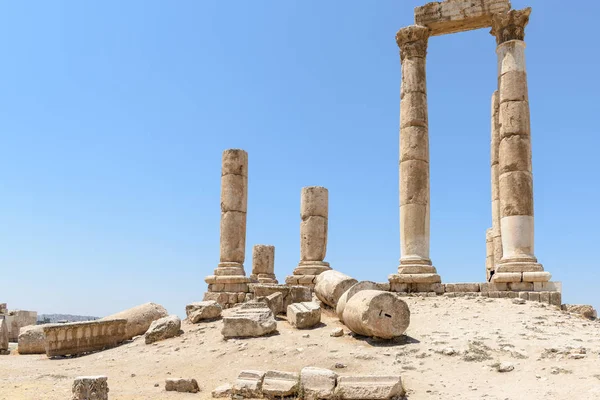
511 267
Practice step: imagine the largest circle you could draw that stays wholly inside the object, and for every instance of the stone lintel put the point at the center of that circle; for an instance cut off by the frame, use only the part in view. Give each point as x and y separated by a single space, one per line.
83 337
452 16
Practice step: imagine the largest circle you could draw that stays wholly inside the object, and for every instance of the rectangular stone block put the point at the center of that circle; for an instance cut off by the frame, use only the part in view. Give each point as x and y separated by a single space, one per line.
524 295
453 16
415 278
277 384
493 287
83 337
534 296
90 388
506 277
494 295
304 315
369 387
537 276
545 297
249 384
398 287
556 299
547 287
463 287
520 286
17 319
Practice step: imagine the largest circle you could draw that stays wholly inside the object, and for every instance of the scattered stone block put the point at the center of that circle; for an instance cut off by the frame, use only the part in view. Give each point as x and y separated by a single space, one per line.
369 387
584 310
277 384
203 310
377 314
90 388
32 340
164 328
249 384
363 285
251 320
451 16
291 294
330 285
317 383
182 385
83 337
304 315
274 302
3 335
223 391
139 318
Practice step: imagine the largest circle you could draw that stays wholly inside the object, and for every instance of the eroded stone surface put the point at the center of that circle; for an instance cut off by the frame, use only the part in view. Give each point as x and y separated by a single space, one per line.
90 388
203 310
304 315
164 328
249 384
183 385
369 387
453 16
139 318
330 285
376 313
362 285
32 340
3 334
249 322
83 337
317 383
584 310
277 384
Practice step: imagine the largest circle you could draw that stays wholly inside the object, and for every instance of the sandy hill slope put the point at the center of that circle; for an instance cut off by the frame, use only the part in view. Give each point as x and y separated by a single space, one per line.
450 351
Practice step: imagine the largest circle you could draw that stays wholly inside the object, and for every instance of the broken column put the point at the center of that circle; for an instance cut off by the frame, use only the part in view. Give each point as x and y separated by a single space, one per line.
229 283
90 388
377 314
347 295
518 262
3 335
331 285
314 214
263 264
415 264
496 233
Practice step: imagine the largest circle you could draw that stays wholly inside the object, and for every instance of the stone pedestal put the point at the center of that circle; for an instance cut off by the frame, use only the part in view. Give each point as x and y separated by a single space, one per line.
229 283
314 214
263 264
415 265
518 262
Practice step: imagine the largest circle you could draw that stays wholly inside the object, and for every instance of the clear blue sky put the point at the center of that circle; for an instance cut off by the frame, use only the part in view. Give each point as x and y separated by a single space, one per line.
114 115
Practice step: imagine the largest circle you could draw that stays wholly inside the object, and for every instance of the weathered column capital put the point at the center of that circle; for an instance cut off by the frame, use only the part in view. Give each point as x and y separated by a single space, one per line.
412 41
510 25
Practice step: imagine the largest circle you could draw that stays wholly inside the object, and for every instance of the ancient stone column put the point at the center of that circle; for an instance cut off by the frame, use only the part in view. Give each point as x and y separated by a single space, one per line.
229 281
489 254
518 262
263 264
314 215
415 264
495 151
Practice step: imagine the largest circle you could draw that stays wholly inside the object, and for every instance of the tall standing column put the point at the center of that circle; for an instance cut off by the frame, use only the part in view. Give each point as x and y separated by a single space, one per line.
415 264
229 281
496 234
518 262
314 215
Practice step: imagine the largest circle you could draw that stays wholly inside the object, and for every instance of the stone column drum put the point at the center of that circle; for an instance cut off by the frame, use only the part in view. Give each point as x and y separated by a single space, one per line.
489 254
415 264
263 264
314 215
229 283
518 262
494 156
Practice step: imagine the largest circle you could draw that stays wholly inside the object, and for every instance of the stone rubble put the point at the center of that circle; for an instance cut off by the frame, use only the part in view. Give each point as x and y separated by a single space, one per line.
203 310
182 385
249 384
277 384
304 315
90 388
251 320
163 328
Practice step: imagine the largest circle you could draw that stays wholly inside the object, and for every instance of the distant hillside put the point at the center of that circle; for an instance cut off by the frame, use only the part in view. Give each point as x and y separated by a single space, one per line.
54 318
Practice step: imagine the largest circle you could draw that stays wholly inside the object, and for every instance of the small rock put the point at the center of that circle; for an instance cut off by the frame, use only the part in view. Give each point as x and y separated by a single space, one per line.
337 332
306 336
340 365
505 367
163 328
448 351
181 385
519 301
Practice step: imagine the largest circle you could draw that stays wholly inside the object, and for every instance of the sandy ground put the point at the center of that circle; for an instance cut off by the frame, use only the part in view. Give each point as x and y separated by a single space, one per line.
555 356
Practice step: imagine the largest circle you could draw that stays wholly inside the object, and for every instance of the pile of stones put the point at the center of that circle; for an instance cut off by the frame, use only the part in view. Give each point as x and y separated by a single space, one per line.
311 383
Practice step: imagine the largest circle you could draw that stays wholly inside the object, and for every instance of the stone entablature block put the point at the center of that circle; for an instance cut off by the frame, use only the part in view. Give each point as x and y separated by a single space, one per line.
453 16
83 337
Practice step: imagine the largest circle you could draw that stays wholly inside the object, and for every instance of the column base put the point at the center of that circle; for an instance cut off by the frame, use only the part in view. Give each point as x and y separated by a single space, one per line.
513 277
415 274
519 265
229 284
311 267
